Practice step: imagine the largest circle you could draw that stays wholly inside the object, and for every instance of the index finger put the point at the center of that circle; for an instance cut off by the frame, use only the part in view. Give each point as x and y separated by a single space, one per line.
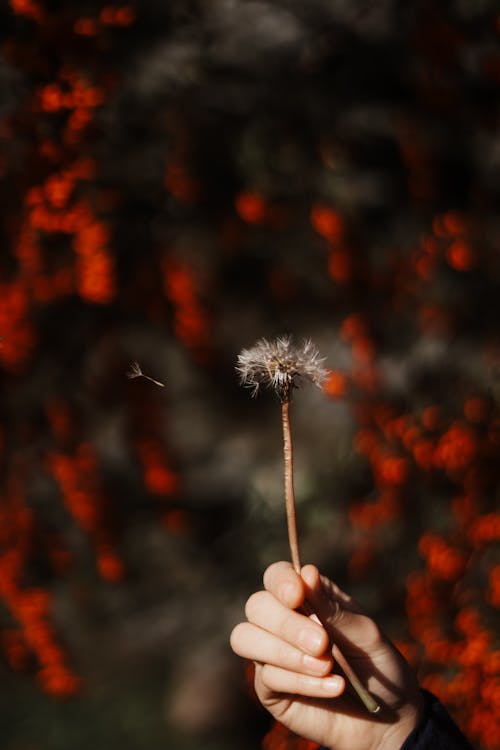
281 580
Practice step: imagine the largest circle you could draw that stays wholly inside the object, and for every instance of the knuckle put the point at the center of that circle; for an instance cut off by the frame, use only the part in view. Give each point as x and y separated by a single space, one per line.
257 678
237 637
265 676
268 574
253 605
335 614
370 629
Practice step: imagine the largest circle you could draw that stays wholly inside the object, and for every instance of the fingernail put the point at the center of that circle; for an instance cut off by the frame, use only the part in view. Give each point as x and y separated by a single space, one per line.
332 684
311 640
314 665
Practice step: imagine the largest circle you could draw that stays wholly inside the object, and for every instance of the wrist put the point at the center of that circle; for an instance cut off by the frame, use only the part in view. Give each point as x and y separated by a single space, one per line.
393 736
396 734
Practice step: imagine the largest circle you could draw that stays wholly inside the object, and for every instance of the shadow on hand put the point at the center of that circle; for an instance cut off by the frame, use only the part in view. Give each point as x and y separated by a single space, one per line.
366 671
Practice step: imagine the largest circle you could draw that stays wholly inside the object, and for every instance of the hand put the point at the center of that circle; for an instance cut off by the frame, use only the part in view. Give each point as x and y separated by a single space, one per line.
293 658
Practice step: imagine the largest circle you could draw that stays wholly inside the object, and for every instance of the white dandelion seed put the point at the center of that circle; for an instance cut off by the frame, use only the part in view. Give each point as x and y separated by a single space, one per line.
135 371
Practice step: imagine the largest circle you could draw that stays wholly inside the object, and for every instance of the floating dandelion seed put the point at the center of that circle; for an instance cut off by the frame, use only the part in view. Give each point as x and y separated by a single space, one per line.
279 365
136 372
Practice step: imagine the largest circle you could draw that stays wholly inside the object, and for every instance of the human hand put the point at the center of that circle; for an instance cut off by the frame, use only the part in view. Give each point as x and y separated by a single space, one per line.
293 663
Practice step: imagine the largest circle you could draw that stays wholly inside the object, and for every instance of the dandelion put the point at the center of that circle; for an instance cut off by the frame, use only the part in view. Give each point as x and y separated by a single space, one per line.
280 365
135 371
277 365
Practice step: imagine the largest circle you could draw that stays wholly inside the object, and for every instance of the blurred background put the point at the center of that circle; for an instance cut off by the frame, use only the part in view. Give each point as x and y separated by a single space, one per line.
178 180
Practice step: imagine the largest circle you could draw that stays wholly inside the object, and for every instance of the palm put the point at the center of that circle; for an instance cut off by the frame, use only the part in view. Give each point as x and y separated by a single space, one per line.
343 722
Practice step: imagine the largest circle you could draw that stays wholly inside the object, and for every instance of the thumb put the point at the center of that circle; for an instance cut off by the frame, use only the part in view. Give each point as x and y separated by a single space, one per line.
353 631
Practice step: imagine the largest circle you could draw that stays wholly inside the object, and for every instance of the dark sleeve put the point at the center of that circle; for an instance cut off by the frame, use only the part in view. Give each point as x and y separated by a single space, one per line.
436 730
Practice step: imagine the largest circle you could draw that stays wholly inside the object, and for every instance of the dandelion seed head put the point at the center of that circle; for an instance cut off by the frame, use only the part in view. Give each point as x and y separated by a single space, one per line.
278 364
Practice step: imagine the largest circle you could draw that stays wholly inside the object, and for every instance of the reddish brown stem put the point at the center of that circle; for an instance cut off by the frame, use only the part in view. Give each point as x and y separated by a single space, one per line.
291 515
370 704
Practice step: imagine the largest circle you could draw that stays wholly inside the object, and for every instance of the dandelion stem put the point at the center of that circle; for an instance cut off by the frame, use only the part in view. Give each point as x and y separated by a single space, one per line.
291 515
152 380
368 701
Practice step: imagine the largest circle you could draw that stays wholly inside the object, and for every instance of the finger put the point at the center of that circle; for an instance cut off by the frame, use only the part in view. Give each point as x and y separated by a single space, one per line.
339 614
284 583
315 582
276 680
265 611
251 642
